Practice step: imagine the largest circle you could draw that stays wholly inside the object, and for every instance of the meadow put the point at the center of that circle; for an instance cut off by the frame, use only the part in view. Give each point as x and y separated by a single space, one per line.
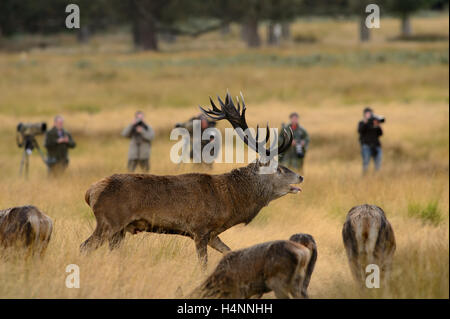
97 87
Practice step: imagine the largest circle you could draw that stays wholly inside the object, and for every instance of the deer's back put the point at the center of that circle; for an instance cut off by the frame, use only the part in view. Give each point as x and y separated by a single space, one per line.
24 225
173 197
244 273
367 231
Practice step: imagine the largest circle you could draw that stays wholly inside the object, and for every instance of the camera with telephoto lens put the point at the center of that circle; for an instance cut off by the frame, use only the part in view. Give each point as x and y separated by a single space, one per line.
26 133
379 118
32 129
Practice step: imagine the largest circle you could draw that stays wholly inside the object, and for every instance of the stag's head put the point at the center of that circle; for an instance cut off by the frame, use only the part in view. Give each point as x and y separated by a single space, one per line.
279 179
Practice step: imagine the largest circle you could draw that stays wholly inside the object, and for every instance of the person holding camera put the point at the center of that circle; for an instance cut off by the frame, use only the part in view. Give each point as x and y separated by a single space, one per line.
141 135
205 124
369 137
295 155
57 142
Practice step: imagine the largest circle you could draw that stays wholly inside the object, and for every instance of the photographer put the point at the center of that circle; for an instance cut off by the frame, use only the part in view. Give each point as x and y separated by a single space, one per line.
205 124
369 133
57 142
141 135
295 155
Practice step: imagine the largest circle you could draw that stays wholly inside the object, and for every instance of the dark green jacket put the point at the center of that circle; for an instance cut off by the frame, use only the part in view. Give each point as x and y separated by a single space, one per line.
57 152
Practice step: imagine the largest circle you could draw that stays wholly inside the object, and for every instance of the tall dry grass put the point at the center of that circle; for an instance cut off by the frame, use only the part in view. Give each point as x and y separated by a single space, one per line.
98 92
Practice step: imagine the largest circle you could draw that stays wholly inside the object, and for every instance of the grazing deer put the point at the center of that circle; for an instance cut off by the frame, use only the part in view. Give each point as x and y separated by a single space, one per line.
282 266
200 206
368 239
25 227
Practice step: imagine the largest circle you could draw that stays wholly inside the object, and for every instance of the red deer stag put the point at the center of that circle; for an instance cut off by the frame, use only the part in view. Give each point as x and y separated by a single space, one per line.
282 266
200 206
25 227
368 239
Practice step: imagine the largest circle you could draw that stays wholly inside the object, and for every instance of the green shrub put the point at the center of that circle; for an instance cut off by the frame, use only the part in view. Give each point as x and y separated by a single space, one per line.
429 213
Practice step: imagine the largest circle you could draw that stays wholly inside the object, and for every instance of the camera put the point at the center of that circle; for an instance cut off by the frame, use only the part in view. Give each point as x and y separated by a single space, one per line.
299 151
379 118
26 133
32 129
26 138
141 124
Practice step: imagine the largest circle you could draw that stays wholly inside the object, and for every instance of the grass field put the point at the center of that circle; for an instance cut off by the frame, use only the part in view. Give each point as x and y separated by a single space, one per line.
97 87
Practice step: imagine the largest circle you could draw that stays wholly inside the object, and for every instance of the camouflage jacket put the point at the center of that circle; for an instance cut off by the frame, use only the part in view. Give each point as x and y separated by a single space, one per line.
300 134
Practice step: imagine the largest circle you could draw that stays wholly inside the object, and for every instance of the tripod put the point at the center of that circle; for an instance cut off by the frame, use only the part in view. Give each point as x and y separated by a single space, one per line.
29 143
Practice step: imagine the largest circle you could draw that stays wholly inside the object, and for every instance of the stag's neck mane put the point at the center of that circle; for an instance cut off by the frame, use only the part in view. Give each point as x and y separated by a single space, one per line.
248 193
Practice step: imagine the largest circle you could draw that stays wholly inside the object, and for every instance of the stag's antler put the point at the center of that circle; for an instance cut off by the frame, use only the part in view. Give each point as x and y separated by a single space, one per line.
234 115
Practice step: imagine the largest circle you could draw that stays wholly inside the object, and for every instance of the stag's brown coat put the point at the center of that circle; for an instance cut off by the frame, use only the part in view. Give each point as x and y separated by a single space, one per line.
25 227
283 266
200 206
368 239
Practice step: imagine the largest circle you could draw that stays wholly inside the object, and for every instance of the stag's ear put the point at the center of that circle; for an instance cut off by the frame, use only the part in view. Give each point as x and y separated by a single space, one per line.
269 167
257 164
263 163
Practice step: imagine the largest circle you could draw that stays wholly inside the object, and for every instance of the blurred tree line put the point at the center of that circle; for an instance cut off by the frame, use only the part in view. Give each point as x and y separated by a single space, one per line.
153 20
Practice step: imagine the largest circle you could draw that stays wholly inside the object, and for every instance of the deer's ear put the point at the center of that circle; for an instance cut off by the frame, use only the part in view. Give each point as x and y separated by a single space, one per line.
266 168
263 162
257 164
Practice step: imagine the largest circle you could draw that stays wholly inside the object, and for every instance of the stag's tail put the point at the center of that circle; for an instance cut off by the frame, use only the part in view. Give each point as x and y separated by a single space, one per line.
41 226
309 242
94 191
87 196
367 231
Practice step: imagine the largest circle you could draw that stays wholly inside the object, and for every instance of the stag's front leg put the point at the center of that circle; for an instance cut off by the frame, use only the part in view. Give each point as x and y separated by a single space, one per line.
201 243
218 245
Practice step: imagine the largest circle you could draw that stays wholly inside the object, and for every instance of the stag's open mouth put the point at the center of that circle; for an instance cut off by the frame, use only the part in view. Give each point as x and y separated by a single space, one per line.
294 189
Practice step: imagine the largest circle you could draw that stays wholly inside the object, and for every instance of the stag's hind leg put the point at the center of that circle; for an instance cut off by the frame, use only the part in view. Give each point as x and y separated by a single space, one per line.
218 245
386 268
97 238
116 239
357 271
279 286
201 243
298 289
43 246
